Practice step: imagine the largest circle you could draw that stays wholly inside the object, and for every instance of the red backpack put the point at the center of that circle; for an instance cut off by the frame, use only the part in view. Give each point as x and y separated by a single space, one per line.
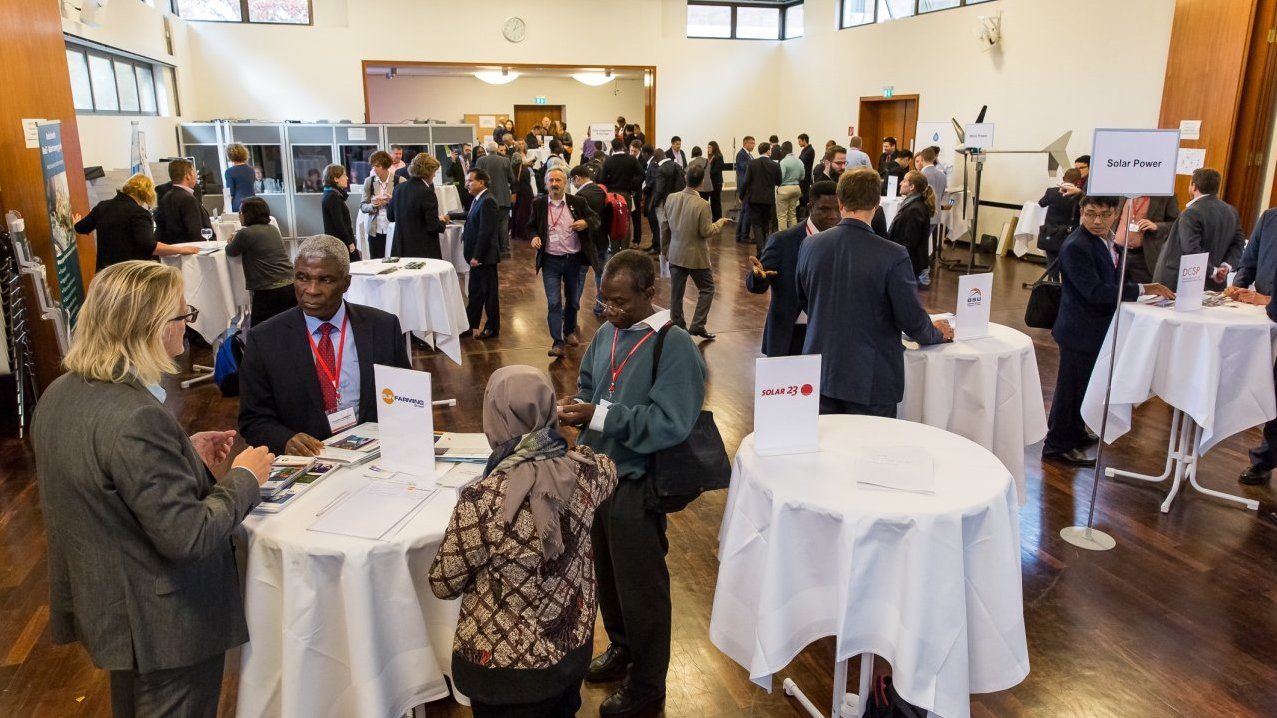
619 227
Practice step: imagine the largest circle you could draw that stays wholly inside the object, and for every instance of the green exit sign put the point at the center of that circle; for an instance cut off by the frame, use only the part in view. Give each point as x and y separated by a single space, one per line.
540 99
888 91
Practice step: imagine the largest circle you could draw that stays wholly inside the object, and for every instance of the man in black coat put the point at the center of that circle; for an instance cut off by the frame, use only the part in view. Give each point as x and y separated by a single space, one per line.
669 179
759 191
623 174
180 216
308 373
807 155
1061 218
560 230
482 249
1207 224
594 196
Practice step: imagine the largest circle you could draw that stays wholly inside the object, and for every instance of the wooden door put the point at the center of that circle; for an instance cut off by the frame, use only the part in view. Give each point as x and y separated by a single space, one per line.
525 116
887 117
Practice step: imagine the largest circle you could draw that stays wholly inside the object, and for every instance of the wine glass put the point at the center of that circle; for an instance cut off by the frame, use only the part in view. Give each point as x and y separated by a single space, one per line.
206 233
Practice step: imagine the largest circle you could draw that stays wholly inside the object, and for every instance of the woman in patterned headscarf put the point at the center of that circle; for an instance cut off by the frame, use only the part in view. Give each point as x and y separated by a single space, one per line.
518 551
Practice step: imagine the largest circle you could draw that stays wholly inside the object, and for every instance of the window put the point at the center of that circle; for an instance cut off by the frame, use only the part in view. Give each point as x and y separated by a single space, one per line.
746 20
112 83
276 12
866 12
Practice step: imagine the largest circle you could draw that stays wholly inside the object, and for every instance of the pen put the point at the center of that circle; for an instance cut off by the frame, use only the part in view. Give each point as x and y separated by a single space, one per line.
324 510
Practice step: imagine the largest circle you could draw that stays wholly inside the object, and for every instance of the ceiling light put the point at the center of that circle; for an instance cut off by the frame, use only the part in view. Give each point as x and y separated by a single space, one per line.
593 79
493 77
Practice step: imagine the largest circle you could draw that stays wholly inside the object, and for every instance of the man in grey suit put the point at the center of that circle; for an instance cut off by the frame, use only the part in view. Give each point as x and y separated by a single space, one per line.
497 165
687 249
1207 224
141 570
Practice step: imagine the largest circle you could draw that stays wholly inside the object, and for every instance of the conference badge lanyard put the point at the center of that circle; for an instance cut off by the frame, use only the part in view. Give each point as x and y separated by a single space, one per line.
616 370
341 419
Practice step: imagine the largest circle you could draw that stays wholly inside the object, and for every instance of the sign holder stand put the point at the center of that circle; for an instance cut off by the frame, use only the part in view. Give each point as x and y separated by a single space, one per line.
970 265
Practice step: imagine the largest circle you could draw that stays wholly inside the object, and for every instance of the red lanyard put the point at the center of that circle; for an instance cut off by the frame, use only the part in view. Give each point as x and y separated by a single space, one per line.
616 370
331 375
556 217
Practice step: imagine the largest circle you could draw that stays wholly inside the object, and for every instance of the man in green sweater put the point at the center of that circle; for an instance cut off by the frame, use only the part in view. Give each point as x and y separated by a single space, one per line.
628 416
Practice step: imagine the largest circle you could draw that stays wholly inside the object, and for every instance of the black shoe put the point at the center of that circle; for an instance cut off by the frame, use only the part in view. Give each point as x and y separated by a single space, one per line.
488 334
1254 477
631 699
1092 437
703 333
1073 457
466 333
610 665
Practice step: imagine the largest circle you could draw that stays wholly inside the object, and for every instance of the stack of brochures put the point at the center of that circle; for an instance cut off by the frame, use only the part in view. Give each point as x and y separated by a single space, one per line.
316 473
353 446
283 472
462 448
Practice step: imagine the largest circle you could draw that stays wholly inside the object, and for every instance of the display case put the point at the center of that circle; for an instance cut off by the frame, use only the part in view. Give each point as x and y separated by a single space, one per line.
265 144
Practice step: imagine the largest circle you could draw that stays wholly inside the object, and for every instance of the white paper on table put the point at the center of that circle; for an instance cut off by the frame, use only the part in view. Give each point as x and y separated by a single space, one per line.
459 476
900 468
369 266
371 511
405 420
787 405
975 293
893 186
459 447
1192 282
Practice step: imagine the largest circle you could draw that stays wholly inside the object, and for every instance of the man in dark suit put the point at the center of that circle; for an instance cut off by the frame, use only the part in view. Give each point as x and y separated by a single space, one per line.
777 269
482 249
651 169
1088 266
594 196
623 174
860 293
807 155
308 373
669 179
559 228
1259 260
676 153
1263 458
501 176
1208 224
888 156
743 157
1061 218
901 163
761 180
180 216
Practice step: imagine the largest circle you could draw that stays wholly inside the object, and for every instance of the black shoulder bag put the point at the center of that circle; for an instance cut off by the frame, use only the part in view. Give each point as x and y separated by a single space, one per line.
1044 300
679 474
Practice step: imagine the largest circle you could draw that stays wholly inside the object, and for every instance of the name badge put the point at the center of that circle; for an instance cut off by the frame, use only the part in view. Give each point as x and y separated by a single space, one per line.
340 420
1133 227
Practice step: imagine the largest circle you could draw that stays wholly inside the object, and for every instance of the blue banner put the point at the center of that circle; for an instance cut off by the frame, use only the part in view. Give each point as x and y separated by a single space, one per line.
61 225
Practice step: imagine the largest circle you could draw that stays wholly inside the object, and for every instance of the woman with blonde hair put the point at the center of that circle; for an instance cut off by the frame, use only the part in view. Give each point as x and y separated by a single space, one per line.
125 228
141 569
912 226
240 177
414 209
518 553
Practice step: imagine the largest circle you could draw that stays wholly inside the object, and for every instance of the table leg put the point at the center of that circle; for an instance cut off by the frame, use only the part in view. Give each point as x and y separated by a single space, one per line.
866 678
845 705
1251 504
205 374
1171 455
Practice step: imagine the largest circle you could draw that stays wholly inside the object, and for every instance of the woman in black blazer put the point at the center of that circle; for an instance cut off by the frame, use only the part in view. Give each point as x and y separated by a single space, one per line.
415 211
125 227
912 225
336 213
715 157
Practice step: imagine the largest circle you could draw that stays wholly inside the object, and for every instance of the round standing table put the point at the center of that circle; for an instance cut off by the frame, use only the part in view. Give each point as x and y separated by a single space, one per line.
986 389
214 284
343 626
929 582
426 300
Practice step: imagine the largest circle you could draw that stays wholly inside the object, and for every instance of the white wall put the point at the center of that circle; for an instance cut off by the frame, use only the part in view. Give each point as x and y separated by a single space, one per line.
409 97
1073 65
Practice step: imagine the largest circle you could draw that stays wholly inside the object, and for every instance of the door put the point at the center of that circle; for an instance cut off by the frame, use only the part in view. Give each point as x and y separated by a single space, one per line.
888 117
525 116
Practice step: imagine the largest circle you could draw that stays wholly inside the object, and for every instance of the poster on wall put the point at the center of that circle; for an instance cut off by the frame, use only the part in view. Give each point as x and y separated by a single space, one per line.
138 162
939 134
61 225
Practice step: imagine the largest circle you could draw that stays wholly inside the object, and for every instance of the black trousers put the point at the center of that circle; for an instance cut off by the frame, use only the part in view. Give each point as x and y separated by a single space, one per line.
830 405
655 223
1065 429
269 302
1261 457
564 705
715 199
636 218
742 220
797 339
634 582
484 297
761 217
189 692
376 246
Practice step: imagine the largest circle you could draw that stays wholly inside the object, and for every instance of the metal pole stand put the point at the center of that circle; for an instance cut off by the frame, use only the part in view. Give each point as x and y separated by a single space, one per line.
970 265
845 705
1181 461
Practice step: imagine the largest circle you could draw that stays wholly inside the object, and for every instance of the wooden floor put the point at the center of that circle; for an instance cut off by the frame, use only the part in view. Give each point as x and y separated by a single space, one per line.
1179 620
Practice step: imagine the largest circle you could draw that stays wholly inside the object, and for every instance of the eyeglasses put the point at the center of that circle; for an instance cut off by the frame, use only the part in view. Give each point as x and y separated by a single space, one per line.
1110 214
191 315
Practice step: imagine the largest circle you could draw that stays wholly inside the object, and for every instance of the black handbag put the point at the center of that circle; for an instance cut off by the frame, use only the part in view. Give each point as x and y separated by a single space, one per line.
1044 300
679 474
884 702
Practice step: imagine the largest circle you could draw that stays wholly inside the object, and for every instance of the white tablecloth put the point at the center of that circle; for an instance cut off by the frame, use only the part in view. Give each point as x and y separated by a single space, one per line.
343 626
425 300
1214 364
449 198
450 244
930 583
1032 217
987 390
214 285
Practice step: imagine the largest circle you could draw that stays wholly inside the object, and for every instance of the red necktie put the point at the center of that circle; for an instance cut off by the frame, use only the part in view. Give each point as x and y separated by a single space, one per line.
326 387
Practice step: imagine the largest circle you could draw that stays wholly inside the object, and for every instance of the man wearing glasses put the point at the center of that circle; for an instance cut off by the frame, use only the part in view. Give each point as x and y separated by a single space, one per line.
1089 265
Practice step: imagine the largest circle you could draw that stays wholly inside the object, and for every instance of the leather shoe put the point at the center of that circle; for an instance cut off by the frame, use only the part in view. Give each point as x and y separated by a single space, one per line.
466 333
610 665
703 333
1073 457
573 339
555 351
488 334
1254 477
630 700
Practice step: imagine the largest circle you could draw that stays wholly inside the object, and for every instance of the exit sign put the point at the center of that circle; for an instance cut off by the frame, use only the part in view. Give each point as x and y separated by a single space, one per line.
888 91
540 99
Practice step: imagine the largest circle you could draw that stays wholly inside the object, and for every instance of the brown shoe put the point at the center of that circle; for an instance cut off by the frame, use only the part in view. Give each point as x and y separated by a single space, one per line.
573 339
556 351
